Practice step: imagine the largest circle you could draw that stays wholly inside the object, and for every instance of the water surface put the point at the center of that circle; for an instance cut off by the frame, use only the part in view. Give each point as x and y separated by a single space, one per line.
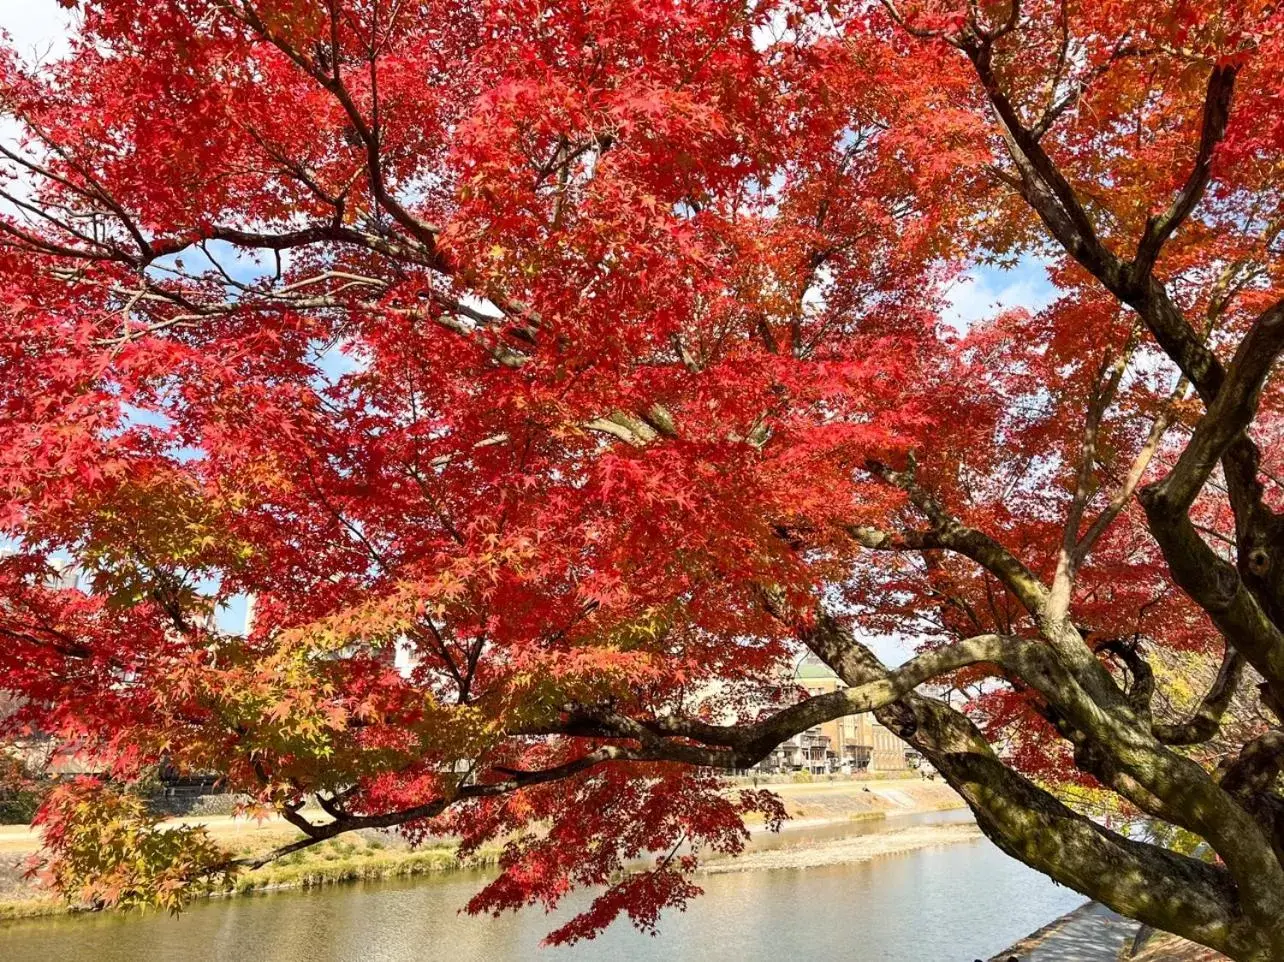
952 904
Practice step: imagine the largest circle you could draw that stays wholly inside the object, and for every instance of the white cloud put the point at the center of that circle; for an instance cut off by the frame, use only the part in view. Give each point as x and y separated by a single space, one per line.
38 28
985 291
38 31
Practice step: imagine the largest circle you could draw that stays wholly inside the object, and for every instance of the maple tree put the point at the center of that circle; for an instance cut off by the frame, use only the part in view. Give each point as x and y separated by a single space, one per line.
594 353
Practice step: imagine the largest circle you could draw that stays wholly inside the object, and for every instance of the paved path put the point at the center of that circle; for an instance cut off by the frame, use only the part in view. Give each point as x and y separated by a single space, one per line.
1091 933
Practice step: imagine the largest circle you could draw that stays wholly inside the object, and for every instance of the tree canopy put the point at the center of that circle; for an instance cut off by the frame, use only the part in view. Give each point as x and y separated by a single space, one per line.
597 354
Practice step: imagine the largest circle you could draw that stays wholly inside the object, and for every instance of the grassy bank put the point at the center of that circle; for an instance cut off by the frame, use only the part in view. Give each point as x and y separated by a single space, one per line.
339 860
14 910
371 856
358 860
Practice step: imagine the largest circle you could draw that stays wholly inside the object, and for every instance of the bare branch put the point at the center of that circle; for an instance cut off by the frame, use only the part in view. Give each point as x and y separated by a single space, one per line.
1217 104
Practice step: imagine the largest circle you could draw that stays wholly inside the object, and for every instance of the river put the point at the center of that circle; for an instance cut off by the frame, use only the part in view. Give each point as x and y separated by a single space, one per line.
950 904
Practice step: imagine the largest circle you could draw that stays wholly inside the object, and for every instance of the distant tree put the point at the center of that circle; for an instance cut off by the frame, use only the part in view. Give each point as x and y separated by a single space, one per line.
598 354
19 792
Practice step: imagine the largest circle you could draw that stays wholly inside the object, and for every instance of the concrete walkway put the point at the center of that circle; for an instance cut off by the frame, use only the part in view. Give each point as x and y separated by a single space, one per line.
1091 933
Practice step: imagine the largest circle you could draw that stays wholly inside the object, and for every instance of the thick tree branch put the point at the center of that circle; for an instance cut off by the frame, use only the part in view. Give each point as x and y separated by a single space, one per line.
949 533
752 742
1160 887
1217 104
1258 766
1247 614
1204 723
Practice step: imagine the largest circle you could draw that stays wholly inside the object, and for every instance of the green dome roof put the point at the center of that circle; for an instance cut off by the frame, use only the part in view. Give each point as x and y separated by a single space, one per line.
810 668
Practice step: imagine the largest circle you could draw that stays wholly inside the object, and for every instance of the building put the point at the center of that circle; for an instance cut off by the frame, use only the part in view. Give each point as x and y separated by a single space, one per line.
805 752
853 743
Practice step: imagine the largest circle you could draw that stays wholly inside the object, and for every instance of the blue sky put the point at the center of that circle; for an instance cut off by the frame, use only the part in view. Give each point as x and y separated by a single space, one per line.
986 290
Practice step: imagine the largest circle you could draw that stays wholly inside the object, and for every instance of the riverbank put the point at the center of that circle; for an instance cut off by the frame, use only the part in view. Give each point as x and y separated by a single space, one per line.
949 903
854 799
368 856
354 859
1169 948
1093 933
862 848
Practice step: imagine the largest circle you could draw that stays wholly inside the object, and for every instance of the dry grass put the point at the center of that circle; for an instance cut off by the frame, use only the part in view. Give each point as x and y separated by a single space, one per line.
338 860
354 860
370 857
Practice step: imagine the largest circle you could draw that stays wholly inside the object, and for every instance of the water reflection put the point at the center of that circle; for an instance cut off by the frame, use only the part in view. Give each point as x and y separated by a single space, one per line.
962 902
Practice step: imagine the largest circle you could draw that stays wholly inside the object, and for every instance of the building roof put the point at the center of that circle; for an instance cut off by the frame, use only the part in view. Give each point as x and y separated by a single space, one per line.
810 667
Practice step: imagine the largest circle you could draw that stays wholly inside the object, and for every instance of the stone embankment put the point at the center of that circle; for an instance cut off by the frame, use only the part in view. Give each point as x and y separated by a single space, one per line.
1093 933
